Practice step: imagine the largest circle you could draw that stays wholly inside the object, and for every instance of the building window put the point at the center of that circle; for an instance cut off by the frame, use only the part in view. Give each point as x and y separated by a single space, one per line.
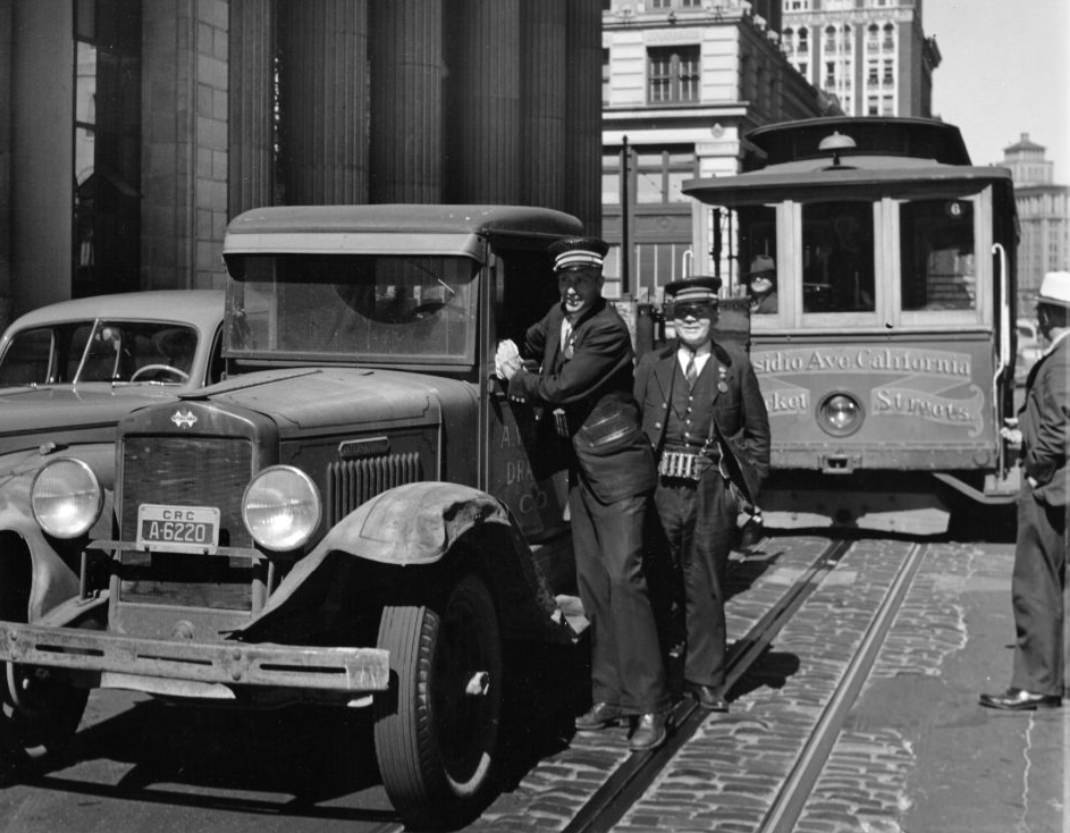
660 176
606 75
673 74
107 146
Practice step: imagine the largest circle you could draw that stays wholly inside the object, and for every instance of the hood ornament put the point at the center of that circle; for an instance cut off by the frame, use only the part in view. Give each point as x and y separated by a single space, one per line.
183 419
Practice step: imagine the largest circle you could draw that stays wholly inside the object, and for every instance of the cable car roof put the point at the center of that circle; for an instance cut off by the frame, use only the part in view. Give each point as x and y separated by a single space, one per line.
775 144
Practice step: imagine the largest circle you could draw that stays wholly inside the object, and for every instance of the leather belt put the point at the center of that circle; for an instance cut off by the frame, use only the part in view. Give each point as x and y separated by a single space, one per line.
686 463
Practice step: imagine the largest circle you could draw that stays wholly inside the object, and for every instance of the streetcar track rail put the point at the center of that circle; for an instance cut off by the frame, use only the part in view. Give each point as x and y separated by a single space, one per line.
791 798
629 781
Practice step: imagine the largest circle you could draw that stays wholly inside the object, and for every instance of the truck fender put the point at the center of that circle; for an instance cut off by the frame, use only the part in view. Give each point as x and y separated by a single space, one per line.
52 571
422 525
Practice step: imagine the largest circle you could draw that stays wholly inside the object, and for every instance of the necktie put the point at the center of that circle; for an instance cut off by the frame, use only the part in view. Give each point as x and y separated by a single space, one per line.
566 339
691 372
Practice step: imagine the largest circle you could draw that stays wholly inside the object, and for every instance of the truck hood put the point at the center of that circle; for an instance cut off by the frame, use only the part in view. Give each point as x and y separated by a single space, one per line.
301 400
30 417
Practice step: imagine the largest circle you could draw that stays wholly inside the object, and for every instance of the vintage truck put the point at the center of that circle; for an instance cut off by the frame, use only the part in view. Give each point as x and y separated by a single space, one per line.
354 516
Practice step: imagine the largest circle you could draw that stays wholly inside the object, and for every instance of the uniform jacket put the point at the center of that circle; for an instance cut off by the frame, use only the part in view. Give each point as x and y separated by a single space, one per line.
1044 421
594 388
739 413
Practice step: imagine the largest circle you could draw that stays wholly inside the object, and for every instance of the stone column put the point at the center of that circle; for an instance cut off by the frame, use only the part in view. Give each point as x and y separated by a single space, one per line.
324 101
251 69
544 76
483 114
583 162
184 144
6 45
408 72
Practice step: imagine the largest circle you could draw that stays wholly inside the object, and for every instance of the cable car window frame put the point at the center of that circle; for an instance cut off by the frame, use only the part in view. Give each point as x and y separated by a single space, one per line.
887 312
983 310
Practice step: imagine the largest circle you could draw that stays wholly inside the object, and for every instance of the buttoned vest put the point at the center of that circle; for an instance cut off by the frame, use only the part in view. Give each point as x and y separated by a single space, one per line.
690 412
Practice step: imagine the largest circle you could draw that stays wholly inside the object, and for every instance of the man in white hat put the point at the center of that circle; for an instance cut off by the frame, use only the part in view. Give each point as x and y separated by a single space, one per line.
1040 550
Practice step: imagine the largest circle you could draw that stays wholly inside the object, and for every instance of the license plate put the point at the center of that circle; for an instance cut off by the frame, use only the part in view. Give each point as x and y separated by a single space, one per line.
177 528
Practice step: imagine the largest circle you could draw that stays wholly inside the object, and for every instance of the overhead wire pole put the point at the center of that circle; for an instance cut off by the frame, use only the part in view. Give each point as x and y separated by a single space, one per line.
625 218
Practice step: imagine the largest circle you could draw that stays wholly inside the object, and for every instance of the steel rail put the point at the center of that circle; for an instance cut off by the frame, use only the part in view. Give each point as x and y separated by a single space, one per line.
791 799
632 778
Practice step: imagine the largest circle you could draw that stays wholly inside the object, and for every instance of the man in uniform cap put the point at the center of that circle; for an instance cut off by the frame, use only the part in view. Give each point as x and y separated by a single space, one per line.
705 418
585 387
1043 506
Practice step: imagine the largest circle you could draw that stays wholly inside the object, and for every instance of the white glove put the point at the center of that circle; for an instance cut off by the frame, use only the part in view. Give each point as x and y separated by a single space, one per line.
507 359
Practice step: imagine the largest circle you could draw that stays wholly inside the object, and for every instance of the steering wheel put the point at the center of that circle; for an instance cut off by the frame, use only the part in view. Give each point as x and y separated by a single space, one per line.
426 309
181 375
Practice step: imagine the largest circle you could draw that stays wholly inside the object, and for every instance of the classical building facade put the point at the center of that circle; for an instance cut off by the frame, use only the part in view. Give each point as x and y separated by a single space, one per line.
682 81
873 55
131 131
1043 216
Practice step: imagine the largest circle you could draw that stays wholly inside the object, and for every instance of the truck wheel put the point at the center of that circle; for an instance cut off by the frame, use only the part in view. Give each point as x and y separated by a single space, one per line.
437 729
38 714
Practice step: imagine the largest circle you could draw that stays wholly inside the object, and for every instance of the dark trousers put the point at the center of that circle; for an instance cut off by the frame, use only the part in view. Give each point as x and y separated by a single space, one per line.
1037 595
699 523
626 665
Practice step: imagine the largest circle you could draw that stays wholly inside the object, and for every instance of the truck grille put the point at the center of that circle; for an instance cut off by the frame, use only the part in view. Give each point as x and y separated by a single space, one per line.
351 482
187 471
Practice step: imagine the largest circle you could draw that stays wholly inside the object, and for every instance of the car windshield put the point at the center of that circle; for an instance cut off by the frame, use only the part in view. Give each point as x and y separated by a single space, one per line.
99 350
354 307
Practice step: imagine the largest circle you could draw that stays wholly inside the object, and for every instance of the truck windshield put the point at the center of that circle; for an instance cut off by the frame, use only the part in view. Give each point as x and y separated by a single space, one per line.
354 307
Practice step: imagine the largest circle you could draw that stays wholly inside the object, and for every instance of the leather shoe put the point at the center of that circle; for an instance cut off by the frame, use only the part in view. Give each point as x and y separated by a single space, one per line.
1017 699
650 732
708 697
599 716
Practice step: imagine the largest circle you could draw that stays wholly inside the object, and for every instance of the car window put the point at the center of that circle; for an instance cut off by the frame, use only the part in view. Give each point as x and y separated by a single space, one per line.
133 351
28 358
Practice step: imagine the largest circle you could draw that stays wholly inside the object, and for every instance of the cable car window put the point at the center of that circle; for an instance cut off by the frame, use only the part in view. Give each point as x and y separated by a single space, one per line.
757 257
838 271
937 255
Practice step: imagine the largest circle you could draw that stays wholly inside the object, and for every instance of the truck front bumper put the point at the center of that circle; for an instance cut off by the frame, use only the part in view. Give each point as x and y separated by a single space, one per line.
342 670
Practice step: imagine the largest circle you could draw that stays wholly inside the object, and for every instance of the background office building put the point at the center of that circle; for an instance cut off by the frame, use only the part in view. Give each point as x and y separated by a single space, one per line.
682 81
131 131
1043 216
872 55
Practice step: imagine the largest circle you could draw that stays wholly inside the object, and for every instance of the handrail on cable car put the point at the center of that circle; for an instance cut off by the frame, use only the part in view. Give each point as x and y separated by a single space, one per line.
1004 350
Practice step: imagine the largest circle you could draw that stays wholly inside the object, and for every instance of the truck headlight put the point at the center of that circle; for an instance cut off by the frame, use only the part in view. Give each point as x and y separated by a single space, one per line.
66 498
281 508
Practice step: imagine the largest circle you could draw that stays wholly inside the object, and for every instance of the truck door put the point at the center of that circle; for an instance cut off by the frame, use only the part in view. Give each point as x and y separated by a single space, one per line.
524 463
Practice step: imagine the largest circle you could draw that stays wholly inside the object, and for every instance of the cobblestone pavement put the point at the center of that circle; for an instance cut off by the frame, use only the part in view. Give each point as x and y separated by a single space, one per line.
915 754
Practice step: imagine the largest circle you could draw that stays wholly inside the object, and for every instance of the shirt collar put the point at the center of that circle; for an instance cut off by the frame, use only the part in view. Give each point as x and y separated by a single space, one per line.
1055 341
702 350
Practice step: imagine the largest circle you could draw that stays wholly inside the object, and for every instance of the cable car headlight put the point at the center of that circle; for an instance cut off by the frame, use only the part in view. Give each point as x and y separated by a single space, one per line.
66 498
840 414
281 508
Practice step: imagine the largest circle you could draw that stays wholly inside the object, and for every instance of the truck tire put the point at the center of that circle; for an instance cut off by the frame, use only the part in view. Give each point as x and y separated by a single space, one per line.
436 731
38 714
